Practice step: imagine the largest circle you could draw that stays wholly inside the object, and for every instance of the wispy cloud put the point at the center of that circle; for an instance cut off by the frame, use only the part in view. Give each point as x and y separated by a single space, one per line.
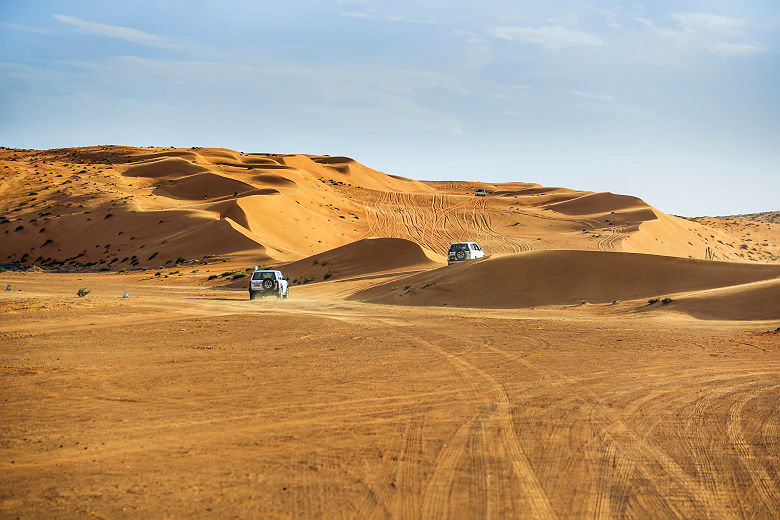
27 28
374 15
548 36
613 18
592 96
706 22
117 31
727 50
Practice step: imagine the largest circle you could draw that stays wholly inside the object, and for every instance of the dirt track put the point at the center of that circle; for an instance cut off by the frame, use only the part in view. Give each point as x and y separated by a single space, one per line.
194 402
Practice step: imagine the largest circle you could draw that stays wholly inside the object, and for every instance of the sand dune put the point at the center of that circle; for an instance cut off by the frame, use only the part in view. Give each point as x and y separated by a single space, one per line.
374 255
295 206
751 301
562 278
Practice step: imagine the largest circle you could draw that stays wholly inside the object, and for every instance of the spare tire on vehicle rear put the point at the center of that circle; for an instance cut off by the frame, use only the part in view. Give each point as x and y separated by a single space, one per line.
268 284
460 255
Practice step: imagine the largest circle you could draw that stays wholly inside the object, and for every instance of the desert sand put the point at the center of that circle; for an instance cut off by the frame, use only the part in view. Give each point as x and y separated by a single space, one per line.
606 360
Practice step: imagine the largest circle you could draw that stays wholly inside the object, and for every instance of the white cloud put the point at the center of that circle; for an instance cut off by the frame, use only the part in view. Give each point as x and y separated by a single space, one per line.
706 22
27 28
549 36
613 18
591 96
117 31
647 22
735 49
373 14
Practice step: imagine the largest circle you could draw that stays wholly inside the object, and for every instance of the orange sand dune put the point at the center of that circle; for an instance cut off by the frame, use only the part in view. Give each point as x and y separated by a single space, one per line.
561 278
282 208
365 256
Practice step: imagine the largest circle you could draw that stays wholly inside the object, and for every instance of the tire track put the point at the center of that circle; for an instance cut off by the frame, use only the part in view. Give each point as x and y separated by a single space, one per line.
630 447
408 474
435 503
758 473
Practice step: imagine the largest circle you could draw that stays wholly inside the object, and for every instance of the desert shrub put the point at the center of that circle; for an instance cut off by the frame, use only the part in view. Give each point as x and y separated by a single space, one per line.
652 301
82 292
666 301
327 275
211 277
429 284
158 273
407 287
226 274
236 276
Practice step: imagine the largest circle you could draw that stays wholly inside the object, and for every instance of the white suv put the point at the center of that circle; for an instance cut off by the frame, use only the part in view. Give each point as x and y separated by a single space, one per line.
266 282
461 251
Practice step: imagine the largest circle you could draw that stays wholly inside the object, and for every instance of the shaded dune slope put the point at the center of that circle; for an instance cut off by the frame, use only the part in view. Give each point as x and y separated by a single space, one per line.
365 256
753 301
563 278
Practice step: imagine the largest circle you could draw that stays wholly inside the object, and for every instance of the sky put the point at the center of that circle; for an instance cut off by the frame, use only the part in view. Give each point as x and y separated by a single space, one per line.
676 102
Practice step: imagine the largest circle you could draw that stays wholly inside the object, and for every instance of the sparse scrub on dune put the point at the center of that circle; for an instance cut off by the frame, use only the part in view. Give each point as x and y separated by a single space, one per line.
651 301
236 276
82 292
666 301
213 276
327 275
429 284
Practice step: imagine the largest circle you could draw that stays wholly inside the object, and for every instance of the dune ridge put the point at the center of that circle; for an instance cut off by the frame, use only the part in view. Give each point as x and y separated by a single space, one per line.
101 206
565 278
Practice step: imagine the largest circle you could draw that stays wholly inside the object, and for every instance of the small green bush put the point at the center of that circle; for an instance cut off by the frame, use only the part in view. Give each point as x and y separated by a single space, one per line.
238 275
327 275
666 301
652 301
82 292
211 277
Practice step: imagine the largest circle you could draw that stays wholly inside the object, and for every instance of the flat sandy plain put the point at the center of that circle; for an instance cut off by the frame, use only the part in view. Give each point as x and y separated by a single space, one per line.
186 401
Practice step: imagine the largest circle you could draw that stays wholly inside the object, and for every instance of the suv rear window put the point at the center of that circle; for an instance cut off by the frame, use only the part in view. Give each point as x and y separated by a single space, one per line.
263 275
454 248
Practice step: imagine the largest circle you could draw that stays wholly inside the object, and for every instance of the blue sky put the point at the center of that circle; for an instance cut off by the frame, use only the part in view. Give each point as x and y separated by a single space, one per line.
675 102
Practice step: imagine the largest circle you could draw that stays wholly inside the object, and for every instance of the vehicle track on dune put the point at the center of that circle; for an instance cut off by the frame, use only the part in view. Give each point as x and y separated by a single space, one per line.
437 220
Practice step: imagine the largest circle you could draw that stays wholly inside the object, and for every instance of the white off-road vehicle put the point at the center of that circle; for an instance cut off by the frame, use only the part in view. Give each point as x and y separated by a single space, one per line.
480 192
461 251
265 282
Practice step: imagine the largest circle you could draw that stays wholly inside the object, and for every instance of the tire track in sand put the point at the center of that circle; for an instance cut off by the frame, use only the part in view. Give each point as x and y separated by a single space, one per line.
629 448
762 481
437 493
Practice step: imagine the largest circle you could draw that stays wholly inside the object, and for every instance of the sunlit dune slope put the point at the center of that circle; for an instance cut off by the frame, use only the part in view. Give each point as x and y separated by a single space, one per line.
561 278
116 207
